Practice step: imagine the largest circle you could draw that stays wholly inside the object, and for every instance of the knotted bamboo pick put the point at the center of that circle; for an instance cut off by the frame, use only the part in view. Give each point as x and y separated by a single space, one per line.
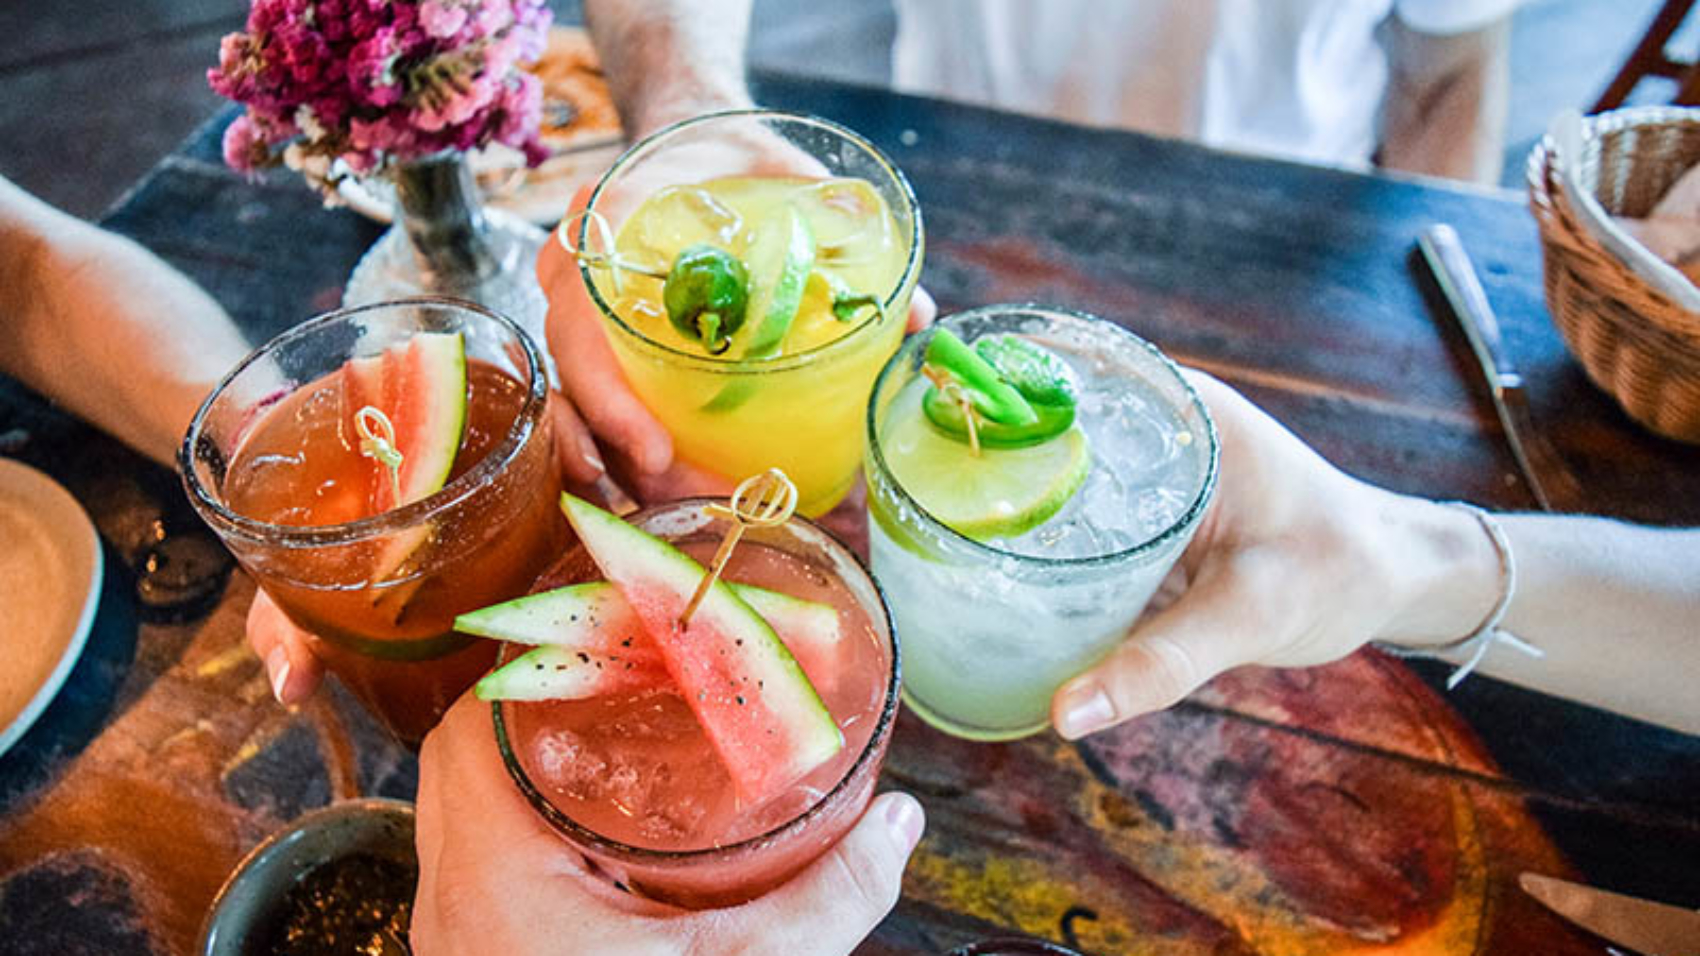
760 501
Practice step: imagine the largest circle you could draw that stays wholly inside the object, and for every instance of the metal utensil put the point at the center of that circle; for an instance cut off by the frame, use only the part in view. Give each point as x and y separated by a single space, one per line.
1554 487
1657 929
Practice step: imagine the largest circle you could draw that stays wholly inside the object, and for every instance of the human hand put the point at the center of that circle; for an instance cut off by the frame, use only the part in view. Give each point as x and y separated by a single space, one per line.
291 666
295 671
592 381
494 878
1294 564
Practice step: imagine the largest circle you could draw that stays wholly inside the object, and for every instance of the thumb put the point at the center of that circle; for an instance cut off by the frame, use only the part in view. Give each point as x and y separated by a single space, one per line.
591 377
552 258
1168 656
835 903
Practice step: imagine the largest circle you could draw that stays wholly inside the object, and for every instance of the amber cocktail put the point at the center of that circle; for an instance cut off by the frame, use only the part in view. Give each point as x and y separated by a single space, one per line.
278 462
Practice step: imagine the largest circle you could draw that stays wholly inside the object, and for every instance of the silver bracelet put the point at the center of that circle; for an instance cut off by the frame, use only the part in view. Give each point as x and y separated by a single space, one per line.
1479 641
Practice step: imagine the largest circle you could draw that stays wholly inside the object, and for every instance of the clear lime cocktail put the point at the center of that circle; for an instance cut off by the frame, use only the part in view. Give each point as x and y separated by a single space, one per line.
825 238
1013 568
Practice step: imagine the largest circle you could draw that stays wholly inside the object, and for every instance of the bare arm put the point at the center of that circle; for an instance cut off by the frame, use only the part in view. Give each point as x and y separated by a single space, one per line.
104 327
1614 607
1298 564
667 60
1446 102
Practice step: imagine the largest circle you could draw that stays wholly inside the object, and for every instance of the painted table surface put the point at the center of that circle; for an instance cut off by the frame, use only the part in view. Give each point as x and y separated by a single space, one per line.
1351 808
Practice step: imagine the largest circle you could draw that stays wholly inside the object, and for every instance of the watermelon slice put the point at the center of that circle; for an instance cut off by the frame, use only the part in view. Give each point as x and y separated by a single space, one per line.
595 618
755 704
809 629
584 617
563 673
420 387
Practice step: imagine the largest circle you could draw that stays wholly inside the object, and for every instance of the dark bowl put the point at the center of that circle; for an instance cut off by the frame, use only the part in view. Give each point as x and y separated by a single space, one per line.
383 828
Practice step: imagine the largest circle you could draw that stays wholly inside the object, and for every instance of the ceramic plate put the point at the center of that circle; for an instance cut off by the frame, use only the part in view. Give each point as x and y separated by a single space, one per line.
50 571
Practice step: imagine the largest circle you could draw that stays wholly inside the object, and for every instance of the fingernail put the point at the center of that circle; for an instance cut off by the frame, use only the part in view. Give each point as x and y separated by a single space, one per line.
592 458
277 665
903 816
1087 709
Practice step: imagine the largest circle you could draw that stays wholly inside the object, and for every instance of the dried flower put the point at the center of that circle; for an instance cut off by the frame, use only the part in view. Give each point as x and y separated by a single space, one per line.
371 82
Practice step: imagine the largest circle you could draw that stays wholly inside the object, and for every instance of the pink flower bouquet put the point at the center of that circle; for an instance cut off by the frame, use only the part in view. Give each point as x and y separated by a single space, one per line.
371 82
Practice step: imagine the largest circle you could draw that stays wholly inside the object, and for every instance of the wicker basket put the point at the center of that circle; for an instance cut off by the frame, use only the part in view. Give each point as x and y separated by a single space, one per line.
1634 342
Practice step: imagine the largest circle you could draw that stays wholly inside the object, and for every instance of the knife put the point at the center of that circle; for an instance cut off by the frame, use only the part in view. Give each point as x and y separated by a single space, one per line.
1656 929
1553 485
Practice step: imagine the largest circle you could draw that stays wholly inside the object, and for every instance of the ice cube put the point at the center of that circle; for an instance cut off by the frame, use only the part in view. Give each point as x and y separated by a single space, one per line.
1157 508
675 818
846 217
661 828
570 766
677 217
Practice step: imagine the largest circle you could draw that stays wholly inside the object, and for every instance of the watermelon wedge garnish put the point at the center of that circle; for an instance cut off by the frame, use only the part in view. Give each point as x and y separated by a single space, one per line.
809 630
595 619
755 704
419 388
562 673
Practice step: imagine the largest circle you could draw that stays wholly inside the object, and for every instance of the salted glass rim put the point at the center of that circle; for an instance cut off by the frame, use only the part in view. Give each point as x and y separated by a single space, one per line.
1080 320
563 823
216 512
726 366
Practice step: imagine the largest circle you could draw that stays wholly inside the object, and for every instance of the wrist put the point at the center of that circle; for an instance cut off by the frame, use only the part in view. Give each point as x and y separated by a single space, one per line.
664 107
1445 572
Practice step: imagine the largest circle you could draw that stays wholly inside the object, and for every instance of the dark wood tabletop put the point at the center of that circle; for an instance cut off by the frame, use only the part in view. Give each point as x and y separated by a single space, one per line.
1351 808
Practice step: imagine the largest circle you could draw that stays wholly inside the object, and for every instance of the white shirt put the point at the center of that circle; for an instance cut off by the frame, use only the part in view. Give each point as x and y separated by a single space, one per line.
1297 78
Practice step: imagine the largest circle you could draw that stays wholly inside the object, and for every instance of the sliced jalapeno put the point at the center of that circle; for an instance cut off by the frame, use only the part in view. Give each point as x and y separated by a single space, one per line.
1043 380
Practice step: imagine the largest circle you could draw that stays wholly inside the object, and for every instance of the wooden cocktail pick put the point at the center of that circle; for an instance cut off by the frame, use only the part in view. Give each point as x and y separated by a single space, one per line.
377 442
608 259
760 501
956 393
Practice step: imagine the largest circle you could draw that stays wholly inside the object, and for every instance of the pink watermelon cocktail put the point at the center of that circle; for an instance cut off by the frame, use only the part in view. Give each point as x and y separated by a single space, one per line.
633 780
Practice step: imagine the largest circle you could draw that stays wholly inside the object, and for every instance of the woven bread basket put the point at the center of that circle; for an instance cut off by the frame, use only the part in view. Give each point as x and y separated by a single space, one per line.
1633 341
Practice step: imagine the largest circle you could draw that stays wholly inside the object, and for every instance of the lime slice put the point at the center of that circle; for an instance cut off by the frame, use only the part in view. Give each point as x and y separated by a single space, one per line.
1000 493
781 256
845 214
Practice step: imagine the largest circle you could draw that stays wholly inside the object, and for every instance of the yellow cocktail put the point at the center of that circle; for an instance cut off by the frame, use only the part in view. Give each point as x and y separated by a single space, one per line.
825 239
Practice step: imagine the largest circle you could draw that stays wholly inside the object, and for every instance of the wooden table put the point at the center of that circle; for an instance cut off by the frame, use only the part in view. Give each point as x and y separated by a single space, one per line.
1349 808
